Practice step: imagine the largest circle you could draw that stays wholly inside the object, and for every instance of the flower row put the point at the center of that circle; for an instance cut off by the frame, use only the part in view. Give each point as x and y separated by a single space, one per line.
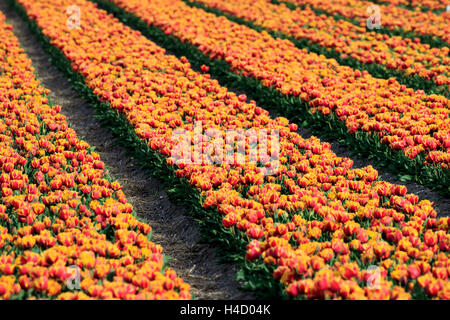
392 17
348 40
66 230
313 203
404 119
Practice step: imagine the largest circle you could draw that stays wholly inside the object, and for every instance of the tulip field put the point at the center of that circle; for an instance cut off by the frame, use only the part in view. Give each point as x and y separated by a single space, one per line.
173 78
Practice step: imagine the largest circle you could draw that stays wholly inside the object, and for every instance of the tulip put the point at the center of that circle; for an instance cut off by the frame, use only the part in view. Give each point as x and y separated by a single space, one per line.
255 232
413 271
242 97
430 238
